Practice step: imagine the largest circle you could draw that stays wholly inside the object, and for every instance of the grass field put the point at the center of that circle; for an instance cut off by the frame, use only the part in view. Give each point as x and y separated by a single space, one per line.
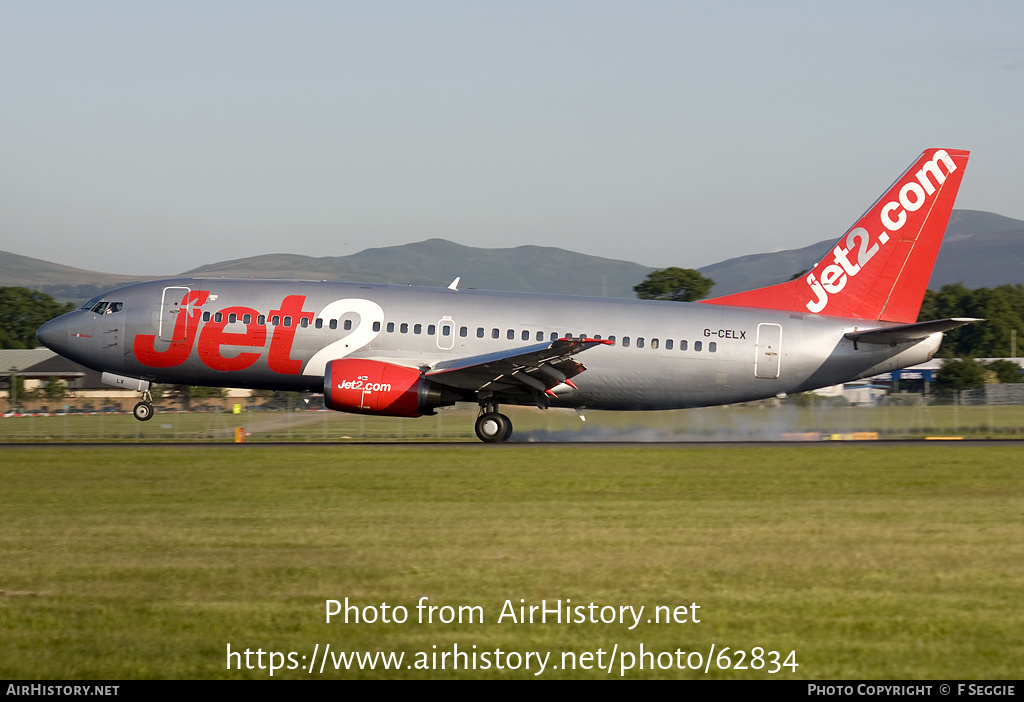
866 561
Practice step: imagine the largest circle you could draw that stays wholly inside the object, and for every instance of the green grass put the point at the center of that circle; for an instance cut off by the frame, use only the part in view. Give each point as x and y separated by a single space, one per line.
868 562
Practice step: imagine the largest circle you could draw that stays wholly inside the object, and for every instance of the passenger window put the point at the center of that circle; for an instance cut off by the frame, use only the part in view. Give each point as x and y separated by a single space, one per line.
431 329
287 321
668 344
540 336
625 342
654 343
218 318
246 319
446 330
261 320
333 324
639 342
319 324
391 327
417 329
554 336
404 328
510 334
463 331
479 332
682 344
495 334
525 335
206 316
712 347
376 326
612 338
698 345
348 325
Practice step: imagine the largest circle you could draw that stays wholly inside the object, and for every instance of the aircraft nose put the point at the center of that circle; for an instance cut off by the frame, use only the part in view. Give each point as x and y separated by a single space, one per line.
54 334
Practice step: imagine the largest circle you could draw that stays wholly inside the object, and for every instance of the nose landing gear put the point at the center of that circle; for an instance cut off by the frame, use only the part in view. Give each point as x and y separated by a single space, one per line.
143 411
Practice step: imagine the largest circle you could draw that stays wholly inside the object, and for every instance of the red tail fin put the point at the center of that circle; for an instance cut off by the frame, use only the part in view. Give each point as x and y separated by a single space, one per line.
879 270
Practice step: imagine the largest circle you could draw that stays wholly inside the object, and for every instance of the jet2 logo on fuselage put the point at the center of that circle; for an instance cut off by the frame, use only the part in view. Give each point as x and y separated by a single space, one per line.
213 338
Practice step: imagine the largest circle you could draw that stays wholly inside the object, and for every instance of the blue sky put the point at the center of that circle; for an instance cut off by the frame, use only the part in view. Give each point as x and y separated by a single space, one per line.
151 138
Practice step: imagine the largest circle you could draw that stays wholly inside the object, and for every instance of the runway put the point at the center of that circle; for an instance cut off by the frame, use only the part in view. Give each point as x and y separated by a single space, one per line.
253 445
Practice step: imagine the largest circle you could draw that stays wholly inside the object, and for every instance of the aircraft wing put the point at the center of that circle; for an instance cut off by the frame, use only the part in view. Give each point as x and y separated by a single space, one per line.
905 333
538 367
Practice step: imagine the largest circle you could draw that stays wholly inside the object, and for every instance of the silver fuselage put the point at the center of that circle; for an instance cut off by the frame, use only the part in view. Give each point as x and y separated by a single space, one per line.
665 356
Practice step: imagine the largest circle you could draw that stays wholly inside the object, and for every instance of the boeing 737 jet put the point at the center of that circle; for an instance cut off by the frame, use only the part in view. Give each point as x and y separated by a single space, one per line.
406 351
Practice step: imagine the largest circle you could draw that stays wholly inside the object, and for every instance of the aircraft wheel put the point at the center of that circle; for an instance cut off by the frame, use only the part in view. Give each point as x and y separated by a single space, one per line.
143 411
508 427
492 427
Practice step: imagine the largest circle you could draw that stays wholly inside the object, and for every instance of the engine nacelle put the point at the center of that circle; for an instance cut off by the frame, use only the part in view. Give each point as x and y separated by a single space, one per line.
375 387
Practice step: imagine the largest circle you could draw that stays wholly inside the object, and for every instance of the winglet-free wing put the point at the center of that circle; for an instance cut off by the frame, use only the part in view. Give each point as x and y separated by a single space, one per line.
539 367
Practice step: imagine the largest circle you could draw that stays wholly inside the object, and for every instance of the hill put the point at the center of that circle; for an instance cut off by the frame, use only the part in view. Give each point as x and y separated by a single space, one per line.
62 282
981 249
437 262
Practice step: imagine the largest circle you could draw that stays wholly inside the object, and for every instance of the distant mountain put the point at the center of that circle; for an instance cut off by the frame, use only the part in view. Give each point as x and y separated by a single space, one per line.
981 249
437 262
62 282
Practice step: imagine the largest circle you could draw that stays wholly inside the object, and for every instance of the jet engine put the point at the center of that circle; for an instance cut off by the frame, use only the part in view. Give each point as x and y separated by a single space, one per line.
375 387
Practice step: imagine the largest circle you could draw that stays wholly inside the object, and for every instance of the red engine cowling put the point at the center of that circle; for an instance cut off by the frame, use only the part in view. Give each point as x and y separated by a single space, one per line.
375 387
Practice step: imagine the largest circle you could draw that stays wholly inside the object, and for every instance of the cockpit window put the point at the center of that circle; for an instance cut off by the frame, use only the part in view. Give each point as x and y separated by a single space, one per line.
103 306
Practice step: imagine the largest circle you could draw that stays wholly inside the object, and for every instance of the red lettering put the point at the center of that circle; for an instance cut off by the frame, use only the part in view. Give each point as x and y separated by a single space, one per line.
213 337
185 327
279 359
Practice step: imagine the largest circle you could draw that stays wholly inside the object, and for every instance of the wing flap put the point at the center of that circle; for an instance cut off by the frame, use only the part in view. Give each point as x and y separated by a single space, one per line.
538 367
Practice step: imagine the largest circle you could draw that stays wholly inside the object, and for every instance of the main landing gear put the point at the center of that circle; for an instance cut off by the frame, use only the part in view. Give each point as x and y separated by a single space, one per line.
492 427
143 411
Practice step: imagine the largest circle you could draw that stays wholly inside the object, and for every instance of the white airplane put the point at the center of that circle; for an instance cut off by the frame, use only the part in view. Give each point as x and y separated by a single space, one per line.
405 351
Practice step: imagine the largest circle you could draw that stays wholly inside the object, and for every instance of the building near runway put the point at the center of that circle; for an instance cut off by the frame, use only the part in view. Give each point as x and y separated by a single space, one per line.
34 370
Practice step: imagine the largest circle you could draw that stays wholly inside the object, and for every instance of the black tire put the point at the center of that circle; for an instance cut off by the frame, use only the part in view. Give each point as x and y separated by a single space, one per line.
493 428
143 411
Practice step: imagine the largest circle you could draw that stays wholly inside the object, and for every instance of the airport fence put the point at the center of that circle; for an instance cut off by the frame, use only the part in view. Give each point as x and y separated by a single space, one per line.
767 421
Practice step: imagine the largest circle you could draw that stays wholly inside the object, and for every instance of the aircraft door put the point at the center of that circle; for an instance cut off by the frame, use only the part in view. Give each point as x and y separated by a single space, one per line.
445 333
768 352
170 307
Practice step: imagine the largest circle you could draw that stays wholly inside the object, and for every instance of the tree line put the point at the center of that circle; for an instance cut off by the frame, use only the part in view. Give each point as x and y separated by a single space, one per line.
1002 308
22 311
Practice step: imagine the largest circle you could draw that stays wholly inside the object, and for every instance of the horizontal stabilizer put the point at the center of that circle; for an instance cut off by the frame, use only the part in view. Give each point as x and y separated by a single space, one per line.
906 333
